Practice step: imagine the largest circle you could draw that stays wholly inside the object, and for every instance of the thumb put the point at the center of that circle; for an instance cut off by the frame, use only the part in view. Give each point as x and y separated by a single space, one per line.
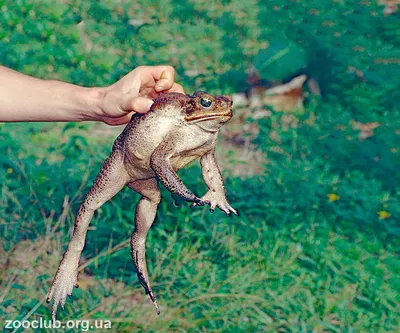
137 104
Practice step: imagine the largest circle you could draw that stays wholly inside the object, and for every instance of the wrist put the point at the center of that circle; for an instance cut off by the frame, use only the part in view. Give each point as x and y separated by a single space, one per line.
93 103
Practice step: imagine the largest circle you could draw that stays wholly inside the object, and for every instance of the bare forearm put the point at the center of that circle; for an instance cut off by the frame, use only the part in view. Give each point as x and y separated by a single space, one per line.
24 98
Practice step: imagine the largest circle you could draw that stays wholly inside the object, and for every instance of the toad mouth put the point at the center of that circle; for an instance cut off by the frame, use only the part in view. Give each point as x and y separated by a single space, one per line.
203 117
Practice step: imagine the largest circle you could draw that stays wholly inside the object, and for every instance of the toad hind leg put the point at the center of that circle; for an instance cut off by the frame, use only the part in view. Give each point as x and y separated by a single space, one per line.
145 214
110 180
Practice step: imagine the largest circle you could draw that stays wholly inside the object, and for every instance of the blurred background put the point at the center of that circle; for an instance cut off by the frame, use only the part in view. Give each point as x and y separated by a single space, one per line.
311 160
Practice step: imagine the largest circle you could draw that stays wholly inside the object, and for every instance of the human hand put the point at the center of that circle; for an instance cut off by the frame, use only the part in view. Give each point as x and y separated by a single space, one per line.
134 93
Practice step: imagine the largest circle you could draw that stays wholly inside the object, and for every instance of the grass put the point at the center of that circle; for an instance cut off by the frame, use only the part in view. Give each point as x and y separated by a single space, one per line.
312 250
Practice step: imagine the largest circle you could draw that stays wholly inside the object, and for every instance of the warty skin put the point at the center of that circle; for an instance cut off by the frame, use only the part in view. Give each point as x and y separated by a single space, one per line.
178 129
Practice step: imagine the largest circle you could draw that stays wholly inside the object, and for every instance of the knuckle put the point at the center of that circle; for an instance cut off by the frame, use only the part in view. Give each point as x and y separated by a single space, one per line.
169 68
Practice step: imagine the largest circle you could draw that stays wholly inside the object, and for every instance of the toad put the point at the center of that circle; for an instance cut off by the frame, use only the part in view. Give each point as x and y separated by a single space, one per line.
178 129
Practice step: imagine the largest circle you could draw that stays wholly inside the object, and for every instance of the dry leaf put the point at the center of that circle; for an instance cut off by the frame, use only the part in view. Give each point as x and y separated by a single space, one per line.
390 6
366 130
192 72
239 99
289 121
136 22
286 97
274 136
314 87
84 36
260 114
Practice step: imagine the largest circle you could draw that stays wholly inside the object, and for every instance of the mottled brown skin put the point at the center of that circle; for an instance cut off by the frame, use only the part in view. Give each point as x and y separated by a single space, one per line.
177 130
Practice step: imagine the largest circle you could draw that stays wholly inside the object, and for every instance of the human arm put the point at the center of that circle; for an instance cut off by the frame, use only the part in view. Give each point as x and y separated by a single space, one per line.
25 98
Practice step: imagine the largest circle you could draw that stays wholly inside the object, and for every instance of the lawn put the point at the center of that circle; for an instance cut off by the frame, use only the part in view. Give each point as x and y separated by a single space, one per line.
315 248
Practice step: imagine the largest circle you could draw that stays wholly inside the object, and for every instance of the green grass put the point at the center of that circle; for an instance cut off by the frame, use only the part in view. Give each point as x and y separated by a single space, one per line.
293 261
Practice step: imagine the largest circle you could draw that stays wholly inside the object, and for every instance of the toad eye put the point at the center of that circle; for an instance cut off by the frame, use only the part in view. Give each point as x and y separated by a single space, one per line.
206 102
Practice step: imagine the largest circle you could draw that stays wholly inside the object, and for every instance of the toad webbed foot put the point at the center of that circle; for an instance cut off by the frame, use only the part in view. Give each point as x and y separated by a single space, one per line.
63 284
217 199
142 274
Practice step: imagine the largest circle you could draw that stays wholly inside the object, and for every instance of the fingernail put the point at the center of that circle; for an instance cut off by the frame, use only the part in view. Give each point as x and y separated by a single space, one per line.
149 106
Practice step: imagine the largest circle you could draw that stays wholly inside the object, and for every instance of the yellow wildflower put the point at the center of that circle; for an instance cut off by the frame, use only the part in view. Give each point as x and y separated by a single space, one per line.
333 197
383 214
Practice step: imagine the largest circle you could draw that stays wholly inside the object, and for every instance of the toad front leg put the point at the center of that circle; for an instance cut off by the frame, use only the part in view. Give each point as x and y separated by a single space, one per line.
160 162
213 179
